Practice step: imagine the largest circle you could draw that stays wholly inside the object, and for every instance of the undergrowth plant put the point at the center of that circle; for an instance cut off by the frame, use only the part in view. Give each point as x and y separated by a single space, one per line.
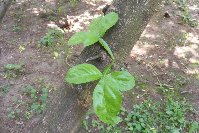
149 117
73 3
185 14
107 98
13 70
32 102
50 38
4 89
17 28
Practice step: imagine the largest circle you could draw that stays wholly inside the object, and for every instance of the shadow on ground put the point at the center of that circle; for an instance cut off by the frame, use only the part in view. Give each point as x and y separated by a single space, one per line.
166 54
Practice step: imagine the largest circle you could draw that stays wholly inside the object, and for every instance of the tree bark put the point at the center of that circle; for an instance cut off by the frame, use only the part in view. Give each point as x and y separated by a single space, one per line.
65 113
4 5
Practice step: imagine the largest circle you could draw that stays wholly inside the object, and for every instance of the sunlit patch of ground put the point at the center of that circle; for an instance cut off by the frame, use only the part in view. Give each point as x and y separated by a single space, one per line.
25 23
169 51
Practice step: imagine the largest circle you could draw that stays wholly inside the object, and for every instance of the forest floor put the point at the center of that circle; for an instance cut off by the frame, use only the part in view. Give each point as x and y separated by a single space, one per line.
34 57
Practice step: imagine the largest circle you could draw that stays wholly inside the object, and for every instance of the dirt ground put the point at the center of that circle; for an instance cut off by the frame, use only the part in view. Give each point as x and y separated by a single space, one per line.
166 53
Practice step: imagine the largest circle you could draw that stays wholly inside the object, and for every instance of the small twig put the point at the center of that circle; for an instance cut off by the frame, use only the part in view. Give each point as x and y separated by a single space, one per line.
185 92
163 85
93 57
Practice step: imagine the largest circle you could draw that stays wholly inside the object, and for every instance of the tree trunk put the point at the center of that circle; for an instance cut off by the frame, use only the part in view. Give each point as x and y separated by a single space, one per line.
65 113
4 5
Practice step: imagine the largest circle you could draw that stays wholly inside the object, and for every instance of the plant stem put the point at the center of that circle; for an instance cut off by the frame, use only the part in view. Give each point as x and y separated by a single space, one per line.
108 68
105 45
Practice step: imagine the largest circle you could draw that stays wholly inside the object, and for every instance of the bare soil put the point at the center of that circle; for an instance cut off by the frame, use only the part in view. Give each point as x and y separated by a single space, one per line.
166 53
24 25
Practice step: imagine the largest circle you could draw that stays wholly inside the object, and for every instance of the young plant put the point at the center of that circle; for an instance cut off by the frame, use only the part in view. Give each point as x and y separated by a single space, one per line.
12 70
107 98
168 116
50 38
4 89
97 29
185 15
38 99
17 28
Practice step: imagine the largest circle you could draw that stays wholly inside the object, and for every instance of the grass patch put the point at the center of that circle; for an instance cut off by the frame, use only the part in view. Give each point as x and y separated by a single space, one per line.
13 70
32 102
149 117
185 15
52 38
4 89
17 28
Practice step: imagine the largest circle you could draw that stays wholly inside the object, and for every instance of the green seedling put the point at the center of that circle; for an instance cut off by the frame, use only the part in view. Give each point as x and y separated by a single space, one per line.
187 19
49 38
27 89
185 15
107 98
73 2
39 98
35 103
33 94
4 89
15 67
194 127
17 28
13 113
97 29
12 70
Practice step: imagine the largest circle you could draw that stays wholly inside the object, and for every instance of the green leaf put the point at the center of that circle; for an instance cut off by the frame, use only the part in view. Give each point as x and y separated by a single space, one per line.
83 73
106 102
35 106
105 45
110 20
12 67
87 38
108 68
43 98
121 80
175 130
193 127
95 25
101 24
44 90
33 93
